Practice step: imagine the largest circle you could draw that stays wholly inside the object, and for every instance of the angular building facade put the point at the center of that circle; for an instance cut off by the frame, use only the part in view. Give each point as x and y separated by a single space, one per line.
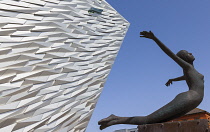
55 56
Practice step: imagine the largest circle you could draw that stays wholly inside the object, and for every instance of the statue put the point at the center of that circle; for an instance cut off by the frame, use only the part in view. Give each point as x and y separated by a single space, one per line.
181 104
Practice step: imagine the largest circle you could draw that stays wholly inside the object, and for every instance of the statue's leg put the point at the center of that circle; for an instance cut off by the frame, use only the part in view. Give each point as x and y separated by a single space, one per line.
180 105
114 120
109 121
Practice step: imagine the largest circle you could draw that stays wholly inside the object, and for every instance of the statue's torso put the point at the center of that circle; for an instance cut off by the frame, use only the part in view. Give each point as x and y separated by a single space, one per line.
194 79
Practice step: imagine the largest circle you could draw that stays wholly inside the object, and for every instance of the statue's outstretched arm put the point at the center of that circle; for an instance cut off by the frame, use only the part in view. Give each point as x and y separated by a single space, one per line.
174 79
178 60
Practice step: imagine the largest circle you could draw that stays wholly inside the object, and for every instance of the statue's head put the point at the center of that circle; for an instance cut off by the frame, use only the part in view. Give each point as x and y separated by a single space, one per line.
186 56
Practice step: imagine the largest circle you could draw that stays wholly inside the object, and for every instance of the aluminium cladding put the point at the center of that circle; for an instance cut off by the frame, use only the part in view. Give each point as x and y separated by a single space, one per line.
55 57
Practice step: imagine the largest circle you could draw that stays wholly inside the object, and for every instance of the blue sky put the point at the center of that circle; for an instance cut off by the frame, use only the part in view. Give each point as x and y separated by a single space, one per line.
136 84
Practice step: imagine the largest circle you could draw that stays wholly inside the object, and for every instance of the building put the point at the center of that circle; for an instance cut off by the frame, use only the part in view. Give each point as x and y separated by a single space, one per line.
127 130
55 58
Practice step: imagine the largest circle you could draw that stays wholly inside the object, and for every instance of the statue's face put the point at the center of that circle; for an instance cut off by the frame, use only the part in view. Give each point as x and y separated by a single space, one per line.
185 55
189 56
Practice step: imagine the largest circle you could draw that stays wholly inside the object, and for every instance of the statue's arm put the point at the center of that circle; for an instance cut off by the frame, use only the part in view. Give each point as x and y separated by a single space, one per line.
175 79
178 60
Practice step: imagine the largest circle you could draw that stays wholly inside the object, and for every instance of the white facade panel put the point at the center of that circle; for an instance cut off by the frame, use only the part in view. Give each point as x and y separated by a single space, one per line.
55 58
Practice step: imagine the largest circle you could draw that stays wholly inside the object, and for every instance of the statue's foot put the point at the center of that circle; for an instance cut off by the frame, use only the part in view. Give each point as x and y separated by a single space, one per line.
109 121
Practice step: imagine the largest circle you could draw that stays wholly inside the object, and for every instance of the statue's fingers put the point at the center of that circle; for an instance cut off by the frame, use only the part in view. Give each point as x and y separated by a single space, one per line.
144 36
143 32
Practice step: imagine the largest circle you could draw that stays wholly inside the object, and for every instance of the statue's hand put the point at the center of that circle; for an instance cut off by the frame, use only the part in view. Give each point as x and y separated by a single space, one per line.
169 82
146 34
109 121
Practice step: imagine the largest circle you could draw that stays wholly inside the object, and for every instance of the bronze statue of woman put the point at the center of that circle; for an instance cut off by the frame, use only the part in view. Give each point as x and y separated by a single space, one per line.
181 104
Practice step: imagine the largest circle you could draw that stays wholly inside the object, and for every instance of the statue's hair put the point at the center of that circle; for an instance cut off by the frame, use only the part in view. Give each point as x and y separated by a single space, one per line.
182 55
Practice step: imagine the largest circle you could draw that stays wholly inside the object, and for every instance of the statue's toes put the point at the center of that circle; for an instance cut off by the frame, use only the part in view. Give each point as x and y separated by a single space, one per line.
111 117
102 127
102 121
107 124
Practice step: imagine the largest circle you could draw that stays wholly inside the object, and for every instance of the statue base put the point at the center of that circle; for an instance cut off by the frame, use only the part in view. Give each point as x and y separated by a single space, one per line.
199 125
